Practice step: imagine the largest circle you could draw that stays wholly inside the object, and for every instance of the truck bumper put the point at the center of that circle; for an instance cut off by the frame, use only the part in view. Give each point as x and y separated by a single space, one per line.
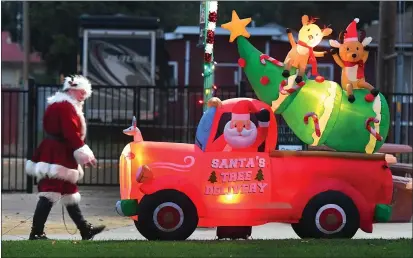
127 208
382 213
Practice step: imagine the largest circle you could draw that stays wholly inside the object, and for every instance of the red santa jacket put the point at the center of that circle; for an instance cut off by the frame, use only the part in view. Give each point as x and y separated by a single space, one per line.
61 154
221 144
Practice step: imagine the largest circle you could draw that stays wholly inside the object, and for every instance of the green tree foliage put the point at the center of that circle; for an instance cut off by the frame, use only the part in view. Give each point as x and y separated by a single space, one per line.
259 176
213 177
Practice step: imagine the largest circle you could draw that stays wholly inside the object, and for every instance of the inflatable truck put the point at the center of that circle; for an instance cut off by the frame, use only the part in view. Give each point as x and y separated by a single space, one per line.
170 189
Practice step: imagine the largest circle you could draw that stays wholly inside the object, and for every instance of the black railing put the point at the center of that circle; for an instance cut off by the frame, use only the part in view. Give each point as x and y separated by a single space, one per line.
14 140
163 114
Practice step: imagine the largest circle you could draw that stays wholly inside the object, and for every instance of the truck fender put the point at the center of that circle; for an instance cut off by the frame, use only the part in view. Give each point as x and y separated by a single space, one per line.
366 211
179 183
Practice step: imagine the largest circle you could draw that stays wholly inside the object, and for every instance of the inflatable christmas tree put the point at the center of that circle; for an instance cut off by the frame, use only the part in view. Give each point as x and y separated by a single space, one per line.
318 112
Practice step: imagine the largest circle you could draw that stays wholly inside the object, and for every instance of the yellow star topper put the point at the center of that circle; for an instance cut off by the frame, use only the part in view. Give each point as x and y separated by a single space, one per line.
237 27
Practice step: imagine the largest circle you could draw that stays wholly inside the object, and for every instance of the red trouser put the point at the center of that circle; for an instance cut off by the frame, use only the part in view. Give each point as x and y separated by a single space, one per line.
56 189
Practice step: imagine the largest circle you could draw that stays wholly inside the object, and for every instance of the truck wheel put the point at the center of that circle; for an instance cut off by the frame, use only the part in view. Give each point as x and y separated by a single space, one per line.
329 214
166 215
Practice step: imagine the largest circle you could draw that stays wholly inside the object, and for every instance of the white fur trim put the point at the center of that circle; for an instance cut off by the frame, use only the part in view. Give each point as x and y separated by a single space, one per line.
366 41
78 106
263 124
43 169
69 199
240 116
83 155
351 39
356 20
334 43
51 196
82 83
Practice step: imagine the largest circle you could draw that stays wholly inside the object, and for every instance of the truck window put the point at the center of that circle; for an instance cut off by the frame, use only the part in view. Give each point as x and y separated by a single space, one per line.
203 130
225 118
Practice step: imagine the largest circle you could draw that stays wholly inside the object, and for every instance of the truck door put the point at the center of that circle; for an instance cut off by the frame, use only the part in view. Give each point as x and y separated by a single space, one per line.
236 180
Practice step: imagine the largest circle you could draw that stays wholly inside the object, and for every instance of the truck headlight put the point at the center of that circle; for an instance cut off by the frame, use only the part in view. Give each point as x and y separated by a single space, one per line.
143 174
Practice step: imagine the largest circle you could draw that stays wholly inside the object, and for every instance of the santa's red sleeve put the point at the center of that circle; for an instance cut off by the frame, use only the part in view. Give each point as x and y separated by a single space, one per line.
262 133
71 129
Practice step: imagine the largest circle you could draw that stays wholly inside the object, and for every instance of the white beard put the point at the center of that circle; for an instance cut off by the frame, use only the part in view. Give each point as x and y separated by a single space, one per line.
235 140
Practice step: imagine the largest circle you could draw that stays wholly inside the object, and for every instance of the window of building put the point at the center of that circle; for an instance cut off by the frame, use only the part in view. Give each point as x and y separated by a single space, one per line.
325 70
173 81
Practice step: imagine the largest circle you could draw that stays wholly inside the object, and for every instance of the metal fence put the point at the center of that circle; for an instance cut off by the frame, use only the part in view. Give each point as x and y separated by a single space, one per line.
14 138
163 114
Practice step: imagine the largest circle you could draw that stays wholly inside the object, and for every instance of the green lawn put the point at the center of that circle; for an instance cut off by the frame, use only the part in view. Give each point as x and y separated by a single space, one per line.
253 248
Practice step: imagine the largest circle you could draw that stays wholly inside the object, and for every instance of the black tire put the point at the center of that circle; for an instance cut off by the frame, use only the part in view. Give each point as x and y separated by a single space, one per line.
335 203
183 211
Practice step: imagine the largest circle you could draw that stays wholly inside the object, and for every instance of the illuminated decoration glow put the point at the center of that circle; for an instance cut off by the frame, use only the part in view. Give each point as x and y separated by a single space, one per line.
341 125
244 184
230 198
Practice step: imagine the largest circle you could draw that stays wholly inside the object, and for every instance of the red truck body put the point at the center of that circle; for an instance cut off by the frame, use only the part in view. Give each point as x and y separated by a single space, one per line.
176 187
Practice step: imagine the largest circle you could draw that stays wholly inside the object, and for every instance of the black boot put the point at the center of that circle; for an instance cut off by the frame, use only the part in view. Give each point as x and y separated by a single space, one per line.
286 74
41 213
351 98
374 92
87 230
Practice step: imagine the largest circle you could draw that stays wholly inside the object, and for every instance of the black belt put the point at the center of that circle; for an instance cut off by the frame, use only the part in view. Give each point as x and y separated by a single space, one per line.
54 137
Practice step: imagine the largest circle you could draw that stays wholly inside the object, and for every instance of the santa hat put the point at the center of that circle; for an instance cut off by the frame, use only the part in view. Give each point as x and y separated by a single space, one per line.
351 31
77 82
242 110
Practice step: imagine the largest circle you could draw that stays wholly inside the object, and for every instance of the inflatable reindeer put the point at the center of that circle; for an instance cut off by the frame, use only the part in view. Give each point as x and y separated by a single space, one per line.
301 53
351 54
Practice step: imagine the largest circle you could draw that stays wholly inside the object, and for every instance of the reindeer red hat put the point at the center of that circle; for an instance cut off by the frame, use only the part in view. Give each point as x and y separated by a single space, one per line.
242 110
351 35
351 31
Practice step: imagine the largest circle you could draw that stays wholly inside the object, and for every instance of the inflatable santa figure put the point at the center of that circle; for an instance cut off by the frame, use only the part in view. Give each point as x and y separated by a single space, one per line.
240 133
57 162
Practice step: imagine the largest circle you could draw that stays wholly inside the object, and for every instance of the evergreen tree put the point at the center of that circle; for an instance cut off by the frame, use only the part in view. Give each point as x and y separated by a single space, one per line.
259 176
213 177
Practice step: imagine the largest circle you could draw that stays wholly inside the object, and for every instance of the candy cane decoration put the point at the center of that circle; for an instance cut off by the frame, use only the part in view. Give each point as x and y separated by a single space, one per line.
371 130
291 90
264 58
211 12
315 120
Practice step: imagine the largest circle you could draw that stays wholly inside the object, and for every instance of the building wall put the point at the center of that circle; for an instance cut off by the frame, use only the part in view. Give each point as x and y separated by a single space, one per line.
9 76
226 56
11 73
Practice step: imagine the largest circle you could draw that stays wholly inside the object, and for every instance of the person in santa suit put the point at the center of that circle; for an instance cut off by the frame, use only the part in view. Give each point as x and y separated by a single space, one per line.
240 133
58 160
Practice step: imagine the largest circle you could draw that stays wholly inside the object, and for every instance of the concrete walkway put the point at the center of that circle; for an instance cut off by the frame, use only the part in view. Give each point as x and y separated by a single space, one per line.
98 205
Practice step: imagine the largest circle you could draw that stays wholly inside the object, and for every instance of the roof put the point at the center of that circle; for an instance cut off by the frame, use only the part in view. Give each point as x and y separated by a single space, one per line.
277 33
403 28
118 21
11 52
194 30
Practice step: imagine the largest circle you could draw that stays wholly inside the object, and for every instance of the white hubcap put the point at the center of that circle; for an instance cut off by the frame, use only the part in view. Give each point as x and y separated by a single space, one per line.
330 219
168 217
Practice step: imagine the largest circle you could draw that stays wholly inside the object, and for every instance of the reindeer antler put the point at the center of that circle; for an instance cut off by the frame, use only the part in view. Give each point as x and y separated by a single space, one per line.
325 27
341 36
312 20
